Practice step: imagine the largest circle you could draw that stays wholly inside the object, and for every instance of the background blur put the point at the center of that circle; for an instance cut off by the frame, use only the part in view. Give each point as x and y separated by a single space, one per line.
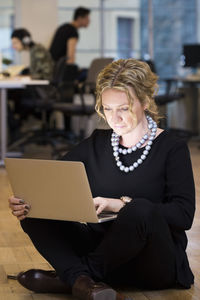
119 29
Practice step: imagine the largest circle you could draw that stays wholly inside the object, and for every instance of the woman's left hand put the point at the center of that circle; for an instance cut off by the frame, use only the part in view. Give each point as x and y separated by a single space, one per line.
107 204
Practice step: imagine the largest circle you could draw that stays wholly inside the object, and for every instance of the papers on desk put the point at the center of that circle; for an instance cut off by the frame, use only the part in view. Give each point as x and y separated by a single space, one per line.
25 79
14 70
22 81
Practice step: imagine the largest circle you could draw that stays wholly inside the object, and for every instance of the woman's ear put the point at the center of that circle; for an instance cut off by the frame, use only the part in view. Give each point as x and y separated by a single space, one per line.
146 103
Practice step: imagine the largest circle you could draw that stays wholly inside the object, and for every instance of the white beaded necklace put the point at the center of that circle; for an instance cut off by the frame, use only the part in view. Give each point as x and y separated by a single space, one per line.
146 138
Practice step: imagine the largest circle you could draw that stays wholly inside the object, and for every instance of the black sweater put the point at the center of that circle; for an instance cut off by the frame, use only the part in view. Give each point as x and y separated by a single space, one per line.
58 46
165 178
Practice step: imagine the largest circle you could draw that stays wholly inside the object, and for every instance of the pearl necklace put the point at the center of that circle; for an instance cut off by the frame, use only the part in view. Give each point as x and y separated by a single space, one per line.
152 126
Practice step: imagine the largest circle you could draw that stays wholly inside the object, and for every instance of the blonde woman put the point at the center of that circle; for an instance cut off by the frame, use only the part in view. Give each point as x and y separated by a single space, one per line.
137 170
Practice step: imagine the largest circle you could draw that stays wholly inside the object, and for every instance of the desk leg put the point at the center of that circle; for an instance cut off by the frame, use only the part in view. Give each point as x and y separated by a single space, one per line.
3 138
194 97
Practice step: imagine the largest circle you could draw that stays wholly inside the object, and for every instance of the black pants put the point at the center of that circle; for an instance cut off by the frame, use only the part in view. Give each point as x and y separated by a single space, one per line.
135 249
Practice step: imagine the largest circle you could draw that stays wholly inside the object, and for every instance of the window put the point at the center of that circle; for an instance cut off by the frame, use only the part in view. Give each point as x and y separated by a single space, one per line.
124 37
113 23
173 26
6 27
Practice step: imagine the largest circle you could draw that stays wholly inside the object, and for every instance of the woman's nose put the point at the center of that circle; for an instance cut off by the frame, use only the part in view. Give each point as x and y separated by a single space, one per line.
116 117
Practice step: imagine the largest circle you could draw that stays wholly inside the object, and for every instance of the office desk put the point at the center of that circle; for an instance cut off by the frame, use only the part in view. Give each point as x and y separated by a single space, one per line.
193 83
5 84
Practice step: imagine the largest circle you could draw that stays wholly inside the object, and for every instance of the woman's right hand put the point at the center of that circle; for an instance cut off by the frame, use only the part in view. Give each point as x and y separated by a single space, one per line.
19 207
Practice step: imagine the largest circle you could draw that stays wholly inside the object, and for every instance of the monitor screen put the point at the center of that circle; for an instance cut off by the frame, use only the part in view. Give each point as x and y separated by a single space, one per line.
191 53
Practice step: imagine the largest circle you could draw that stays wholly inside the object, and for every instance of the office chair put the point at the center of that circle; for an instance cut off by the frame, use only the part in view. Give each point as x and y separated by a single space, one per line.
84 89
64 87
170 94
68 86
96 66
59 89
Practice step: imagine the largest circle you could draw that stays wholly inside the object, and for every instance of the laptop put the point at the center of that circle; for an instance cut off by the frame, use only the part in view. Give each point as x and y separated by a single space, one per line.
56 190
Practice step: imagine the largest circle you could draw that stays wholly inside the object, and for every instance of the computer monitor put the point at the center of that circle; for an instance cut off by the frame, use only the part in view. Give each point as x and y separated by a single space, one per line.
191 54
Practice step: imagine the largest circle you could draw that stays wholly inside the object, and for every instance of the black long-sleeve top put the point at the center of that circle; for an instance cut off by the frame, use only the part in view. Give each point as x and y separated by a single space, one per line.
165 178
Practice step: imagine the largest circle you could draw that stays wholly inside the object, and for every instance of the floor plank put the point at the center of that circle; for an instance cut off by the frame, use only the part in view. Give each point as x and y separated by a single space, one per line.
17 253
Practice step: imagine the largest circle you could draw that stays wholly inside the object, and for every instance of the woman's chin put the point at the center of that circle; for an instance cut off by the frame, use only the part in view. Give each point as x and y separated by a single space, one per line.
120 131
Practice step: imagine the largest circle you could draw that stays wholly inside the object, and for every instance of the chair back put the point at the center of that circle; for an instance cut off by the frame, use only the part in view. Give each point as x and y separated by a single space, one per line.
96 66
64 72
64 80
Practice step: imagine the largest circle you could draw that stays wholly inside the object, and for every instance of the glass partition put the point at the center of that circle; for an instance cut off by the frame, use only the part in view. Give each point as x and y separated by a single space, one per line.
174 24
6 27
114 30
120 29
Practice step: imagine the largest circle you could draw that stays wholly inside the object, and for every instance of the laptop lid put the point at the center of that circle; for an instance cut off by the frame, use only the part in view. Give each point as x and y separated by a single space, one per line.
55 189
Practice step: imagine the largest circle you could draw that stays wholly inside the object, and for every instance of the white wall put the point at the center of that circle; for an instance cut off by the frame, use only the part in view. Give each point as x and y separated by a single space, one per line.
39 17
90 38
198 20
111 28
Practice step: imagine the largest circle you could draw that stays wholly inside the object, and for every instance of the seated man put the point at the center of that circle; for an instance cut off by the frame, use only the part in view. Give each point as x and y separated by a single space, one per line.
41 67
41 63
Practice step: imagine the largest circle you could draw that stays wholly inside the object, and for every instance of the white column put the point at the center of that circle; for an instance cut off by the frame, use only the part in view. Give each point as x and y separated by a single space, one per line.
102 28
198 20
150 29
38 17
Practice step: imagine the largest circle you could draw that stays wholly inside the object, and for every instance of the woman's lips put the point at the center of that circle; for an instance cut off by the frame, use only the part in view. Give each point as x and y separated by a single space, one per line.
119 126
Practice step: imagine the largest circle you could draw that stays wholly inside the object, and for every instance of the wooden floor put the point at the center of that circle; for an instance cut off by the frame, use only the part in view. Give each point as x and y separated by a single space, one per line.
18 254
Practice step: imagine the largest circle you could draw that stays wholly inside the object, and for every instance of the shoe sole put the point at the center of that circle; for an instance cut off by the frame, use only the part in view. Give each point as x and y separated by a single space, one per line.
108 294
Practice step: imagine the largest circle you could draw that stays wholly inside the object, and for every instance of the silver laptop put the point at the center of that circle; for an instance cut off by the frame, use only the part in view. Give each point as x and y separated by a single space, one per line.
55 189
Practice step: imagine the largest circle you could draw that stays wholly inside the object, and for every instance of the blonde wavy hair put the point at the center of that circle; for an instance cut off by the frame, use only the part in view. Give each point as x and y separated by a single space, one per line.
129 73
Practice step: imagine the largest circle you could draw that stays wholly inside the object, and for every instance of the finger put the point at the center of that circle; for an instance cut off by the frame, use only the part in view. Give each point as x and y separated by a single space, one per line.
16 207
19 213
101 208
14 200
21 217
19 207
96 201
97 204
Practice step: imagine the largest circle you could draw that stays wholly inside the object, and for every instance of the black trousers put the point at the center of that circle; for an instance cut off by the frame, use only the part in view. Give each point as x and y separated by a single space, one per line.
135 249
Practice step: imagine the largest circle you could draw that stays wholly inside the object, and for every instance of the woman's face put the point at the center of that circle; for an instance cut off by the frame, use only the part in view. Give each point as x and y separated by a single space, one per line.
17 44
118 115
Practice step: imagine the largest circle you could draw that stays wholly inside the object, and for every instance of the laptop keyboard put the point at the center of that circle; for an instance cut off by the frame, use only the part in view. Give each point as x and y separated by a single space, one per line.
106 214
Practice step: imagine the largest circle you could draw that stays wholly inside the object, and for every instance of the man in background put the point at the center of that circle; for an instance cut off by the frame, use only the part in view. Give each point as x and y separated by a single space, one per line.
66 36
63 52
41 63
22 102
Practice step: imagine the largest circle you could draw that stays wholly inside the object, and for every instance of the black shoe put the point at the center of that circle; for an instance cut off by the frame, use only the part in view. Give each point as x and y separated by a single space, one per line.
85 288
41 281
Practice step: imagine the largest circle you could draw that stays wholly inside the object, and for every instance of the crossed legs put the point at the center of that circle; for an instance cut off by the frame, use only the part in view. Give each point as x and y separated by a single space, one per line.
136 248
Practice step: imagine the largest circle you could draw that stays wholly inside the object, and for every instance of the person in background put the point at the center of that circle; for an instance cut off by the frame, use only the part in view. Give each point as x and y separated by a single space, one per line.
41 67
63 51
137 170
66 36
41 63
